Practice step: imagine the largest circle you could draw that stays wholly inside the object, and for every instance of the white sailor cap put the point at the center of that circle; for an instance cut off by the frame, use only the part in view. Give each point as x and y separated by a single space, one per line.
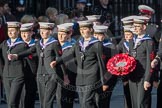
139 21
128 18
46 25
142 18
65 27
85 23
100 28
26 27
128 28
128 22
93 17
146 9
13 24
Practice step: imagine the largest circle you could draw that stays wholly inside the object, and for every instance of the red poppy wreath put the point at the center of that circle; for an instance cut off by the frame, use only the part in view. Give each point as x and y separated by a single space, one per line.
121 64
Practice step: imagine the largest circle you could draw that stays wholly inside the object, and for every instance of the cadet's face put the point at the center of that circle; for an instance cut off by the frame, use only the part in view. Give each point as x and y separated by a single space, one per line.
62 36
45 33
13 33
26 36
99 36
85 32
139 29
128 35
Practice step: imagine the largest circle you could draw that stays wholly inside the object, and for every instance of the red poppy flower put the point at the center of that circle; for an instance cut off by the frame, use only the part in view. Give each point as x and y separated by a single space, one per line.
30 56
121 64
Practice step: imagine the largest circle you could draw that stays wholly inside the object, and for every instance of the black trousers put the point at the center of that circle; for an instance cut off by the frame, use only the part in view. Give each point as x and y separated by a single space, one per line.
87 96
139 97
13 88
103 97
127 97
65 96
47 86
29 92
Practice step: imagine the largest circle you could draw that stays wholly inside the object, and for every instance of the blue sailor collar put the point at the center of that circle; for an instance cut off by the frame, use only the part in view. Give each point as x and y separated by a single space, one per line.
72 41
50 41
126 45
17 41
106 42
66 45
138 43
145 37
92 40
31 43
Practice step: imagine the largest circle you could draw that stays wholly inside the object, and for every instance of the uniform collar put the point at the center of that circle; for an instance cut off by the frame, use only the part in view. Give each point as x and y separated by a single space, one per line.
126 45
72 41
17 41
92 40
50 40
66 45
31 43
145 37
106 42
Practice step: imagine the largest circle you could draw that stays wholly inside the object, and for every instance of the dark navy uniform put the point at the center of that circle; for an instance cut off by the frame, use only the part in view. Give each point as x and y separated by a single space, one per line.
142 52
46 76
29 90
13 73
105 97
67 92
90 70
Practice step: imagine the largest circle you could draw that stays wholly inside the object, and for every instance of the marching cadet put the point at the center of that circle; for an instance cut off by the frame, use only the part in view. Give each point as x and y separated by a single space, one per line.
151 28
47 50
90 66
141 47
13 72
123 47
109 51
29 90
67 91
152 31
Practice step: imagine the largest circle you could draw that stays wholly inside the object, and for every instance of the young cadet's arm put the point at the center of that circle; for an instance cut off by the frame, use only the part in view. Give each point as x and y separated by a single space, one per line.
67 56
27 52
58 52
99 52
